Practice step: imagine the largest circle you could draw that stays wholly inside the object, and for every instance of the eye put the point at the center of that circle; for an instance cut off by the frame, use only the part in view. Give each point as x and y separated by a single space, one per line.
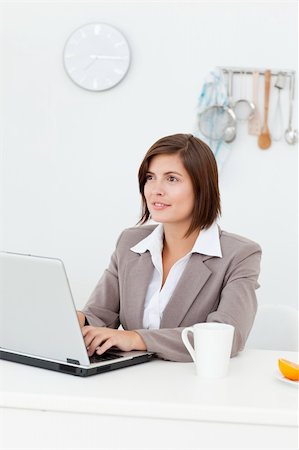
172 179
148 177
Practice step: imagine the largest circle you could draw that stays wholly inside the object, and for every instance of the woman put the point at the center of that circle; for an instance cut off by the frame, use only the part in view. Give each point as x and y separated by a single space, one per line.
185 270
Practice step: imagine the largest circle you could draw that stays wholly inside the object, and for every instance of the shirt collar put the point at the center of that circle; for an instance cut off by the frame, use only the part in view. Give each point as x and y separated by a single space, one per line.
153 241
207 242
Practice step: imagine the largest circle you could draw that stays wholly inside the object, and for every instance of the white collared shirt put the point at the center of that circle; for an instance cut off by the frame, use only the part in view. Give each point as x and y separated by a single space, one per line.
156 299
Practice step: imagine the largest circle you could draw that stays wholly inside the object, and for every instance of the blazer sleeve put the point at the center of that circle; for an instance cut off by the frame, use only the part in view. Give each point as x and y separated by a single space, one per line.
167 343
237 306
238 303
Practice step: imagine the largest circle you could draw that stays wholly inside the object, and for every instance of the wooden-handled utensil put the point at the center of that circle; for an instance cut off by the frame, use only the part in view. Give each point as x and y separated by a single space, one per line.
264 139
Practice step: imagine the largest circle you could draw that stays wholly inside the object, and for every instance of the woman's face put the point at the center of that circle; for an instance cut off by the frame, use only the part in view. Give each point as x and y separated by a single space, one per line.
168 190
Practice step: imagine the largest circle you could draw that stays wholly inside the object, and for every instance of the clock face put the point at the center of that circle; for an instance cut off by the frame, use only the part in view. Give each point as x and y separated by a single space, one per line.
96 56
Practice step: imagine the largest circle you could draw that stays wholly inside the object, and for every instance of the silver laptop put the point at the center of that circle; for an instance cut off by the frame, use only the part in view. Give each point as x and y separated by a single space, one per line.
38 320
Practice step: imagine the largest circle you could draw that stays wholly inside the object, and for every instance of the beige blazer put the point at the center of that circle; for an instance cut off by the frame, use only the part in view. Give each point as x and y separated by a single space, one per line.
211 289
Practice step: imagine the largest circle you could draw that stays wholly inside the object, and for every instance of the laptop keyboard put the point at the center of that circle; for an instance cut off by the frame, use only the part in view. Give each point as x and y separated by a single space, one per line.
104 357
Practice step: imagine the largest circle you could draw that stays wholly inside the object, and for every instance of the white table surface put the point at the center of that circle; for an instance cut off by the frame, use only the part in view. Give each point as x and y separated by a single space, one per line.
249 394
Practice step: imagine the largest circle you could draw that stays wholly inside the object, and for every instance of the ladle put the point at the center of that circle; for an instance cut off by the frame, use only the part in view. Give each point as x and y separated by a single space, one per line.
244 108
264 139
277 123
290 135
230 131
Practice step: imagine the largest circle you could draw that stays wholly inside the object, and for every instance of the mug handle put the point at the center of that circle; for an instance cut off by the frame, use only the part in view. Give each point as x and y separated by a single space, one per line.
187 342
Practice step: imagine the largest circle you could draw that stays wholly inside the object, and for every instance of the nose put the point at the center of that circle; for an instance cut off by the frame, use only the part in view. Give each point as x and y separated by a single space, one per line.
157 188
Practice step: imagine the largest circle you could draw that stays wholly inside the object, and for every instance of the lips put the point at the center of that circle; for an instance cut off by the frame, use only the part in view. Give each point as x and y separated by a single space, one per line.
159 205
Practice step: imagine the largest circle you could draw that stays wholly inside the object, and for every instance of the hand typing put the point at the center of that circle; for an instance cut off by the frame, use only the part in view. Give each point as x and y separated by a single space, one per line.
99 340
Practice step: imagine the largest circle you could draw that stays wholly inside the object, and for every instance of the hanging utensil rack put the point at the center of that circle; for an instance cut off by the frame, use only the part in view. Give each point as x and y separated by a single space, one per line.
290 74
255 72
249 71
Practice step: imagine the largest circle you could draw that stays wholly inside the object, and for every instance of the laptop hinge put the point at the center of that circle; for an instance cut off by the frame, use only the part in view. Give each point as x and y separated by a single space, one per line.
73 361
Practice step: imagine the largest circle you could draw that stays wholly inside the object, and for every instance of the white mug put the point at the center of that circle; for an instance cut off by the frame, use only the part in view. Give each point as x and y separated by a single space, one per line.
212 348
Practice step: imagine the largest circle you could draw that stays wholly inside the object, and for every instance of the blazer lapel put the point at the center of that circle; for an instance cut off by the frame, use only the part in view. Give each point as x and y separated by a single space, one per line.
191 282
138 274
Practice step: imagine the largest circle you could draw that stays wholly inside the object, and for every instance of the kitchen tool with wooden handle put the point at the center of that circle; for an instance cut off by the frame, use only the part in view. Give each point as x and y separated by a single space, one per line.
264 139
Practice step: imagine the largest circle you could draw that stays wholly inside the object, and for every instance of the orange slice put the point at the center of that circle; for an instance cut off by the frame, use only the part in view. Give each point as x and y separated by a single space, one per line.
289 369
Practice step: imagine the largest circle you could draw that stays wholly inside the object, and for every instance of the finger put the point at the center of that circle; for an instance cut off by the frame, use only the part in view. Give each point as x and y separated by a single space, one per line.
106 345
90 333
89 337
97 342
86 329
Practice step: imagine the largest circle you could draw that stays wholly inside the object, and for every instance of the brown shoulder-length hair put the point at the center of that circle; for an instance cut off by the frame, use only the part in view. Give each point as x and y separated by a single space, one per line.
200 163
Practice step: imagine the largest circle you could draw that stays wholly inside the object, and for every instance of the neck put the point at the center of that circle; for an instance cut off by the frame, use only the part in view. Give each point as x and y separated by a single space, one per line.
175 240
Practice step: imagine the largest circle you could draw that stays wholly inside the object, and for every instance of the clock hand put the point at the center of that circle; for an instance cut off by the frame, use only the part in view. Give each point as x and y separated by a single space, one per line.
94 57
105 57
90 64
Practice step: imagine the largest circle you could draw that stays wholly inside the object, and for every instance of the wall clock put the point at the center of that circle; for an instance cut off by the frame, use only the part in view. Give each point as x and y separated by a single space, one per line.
96 56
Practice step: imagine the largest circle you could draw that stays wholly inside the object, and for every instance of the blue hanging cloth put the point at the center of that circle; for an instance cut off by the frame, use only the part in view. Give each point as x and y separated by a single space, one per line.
214 92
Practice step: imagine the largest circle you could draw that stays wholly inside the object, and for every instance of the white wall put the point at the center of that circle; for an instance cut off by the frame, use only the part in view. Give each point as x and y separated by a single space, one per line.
70 157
